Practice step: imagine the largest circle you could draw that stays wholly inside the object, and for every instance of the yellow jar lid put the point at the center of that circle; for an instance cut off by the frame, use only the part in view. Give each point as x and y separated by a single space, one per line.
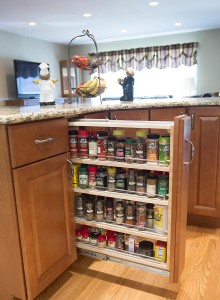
118 132
141 133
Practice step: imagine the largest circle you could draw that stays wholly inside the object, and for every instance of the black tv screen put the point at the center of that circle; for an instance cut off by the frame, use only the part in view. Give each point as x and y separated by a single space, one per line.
25 73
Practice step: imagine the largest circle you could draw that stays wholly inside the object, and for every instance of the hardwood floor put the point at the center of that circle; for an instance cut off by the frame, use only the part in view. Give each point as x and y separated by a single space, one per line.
90 279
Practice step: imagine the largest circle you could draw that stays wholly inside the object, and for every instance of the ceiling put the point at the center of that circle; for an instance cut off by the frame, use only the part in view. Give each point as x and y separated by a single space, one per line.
60 20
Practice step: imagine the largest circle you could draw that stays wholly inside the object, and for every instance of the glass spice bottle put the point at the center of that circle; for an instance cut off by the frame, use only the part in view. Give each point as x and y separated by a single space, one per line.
140 185
141 215
80 206
152 148
93 147
102 145
150 215
111 178
129 150
83 177
120 150
151 187
140 146
129 215
90 209
73 143
120 241
109 210
131 186
119 212
164 150
111 148
99 209
83 139
121 180
92 176
101 178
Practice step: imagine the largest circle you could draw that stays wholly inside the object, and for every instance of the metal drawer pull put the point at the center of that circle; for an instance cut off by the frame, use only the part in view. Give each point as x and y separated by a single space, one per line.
192 152
71 169
48 140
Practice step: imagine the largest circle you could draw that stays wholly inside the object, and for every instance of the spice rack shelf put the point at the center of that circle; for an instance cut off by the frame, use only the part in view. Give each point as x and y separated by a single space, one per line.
125 196
153 235
117 164
123 255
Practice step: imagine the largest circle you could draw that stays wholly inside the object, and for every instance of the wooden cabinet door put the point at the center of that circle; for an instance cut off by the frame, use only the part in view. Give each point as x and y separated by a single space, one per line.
45 214
204 178
180 155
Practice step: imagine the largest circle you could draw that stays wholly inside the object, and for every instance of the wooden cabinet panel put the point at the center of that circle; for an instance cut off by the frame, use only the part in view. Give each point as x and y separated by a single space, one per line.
204 188
22 137
45 214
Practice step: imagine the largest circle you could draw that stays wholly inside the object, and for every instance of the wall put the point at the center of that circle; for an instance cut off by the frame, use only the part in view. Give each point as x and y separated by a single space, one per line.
208 79
14 46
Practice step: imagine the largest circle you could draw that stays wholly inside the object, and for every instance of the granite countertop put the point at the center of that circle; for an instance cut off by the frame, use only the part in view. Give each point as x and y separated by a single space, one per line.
19 114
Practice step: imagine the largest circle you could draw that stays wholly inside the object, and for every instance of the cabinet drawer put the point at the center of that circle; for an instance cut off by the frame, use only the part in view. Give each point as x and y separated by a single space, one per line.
35 141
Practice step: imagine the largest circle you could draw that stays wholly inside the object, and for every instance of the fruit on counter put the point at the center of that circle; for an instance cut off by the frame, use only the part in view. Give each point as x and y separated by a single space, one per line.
84 62
92 87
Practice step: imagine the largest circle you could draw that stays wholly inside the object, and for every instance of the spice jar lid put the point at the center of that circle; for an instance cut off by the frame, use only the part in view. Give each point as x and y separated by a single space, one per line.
92 138
112 238
151 176
120 139
111 170
129 140
85 233
101 238
102 133
73 132
153 136
141 133
82 169
118 132
150 205
160 177
83 133
109 202
92 169
146 245
161 244
94 235
111 138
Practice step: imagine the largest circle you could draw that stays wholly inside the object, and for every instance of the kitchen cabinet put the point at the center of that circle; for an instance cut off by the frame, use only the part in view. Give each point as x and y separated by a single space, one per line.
176 204
42 232
204 177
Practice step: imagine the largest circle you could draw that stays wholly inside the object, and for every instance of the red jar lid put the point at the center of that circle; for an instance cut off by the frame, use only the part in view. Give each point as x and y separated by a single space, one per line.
85 234
78 232
85 227
101 238
92 169
111 238
161 244
83 133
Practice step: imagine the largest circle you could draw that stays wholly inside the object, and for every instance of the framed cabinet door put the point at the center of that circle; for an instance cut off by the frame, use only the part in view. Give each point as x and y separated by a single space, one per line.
45 214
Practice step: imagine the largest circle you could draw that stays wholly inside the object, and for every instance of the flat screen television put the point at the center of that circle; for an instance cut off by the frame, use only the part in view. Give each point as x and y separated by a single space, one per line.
25 73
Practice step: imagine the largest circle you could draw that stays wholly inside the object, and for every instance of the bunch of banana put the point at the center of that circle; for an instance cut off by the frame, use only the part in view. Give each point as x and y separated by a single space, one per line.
91 88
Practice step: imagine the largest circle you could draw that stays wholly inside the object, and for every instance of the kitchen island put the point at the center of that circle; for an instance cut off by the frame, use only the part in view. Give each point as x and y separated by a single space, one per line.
27 172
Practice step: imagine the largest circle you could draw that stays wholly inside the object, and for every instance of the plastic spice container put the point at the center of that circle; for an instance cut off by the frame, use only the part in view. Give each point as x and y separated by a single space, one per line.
121 180
99 209
164 150
152 148
160 251
93 238
75 179
111 178
80 207
111 148
163 185
102 240
101 178
112 241
119 212
83 177
140 185
131 186
161 218
93 147
90 209
146 248
120 149
129 215
83 138
141 146
129 150
85 236
109 210
73 143
102 145
141 215
151 187
92 176
150 215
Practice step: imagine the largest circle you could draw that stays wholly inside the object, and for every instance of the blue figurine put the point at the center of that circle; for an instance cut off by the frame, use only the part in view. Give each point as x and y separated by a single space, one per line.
128 85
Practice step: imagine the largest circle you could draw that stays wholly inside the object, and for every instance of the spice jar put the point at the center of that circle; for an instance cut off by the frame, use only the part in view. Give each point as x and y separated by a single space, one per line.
92 176
160 251
146 248
119 212
140 146
161 218
129 215
111 148
93 238
150 215
151 186
80 206
93 147
129 150
83 177
102 240
83 138
163 185
164 150
112 241
102 145
99 209
109 210
73 143
120 149
101 178
141 215
131 181
140 185
90 209
121 180
120 241
111 178
78 235
152 148
85 236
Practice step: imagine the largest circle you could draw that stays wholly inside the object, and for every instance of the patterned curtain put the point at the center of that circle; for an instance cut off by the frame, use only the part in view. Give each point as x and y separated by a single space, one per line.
159 57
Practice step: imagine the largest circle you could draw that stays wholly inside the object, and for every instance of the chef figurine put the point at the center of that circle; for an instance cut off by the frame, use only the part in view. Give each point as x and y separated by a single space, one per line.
46 85
128 85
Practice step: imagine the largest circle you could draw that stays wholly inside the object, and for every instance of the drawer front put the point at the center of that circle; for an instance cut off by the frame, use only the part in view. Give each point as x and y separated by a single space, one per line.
30 142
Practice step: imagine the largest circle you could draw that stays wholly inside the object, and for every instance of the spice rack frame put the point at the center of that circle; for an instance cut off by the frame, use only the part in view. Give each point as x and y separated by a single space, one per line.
179 131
